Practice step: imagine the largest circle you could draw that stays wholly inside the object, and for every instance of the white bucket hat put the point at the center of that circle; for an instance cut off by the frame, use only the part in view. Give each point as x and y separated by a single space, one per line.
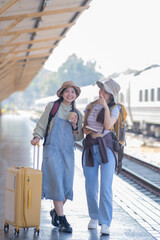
110 86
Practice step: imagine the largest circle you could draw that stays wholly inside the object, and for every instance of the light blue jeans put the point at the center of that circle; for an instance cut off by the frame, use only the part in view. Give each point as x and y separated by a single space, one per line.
103 211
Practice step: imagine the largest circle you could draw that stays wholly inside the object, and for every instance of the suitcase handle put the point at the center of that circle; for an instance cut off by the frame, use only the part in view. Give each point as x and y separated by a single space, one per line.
36 155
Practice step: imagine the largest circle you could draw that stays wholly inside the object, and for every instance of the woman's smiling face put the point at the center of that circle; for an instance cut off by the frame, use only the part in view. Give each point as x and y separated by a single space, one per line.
69 95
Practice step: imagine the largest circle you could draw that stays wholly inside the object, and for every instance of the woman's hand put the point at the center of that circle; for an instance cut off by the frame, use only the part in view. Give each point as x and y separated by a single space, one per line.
74 119
102 101
35 140
87 131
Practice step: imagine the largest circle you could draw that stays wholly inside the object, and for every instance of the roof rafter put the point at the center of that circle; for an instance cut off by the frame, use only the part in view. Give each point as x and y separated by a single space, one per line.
33 41
10 41
66 25
26 44
44 13
8 5
29 50
14 58
3 32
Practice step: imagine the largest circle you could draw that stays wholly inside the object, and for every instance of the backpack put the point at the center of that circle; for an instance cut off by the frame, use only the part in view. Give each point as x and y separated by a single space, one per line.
118 131
52 113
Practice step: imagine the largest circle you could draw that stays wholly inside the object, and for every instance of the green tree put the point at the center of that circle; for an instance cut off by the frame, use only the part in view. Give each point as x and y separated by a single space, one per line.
46 83
75 70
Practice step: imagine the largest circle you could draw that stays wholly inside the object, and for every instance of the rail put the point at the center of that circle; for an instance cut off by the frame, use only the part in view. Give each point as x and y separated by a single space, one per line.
145 174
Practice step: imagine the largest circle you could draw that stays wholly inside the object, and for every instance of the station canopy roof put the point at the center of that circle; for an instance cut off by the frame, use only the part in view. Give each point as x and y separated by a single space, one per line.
29 32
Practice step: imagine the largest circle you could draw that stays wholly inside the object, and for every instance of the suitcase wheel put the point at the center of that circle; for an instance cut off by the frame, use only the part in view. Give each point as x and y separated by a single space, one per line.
36 230
26 228
16 231
6 227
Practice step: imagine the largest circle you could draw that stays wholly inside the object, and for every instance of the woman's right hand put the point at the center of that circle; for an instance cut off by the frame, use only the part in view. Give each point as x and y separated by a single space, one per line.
87 131
35 140
102 101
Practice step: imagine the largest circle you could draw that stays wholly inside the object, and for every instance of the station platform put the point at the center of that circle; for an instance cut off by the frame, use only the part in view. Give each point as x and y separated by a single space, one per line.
16 150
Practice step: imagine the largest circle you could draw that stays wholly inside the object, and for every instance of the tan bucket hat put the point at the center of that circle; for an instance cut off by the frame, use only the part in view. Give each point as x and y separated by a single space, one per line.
66 85
110 86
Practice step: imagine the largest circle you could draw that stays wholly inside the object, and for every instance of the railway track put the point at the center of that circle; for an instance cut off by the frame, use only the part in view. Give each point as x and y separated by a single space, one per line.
146 175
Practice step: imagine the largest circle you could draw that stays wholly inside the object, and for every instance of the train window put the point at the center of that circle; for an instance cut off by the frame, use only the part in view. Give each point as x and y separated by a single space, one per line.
158 94
152 94
146 95
140 96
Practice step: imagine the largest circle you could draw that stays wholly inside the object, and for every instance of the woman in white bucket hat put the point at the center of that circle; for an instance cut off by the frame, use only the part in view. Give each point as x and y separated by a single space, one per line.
98 151
111 87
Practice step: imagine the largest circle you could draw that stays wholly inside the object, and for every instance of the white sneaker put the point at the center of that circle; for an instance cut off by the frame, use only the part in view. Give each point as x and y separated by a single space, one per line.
92 224
105 229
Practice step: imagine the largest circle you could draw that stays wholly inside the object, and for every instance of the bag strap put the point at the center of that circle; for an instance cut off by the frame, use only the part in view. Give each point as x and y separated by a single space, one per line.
54 108
51 115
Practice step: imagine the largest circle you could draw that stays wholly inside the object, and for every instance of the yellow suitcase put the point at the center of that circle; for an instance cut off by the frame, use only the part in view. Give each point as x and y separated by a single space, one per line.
23 198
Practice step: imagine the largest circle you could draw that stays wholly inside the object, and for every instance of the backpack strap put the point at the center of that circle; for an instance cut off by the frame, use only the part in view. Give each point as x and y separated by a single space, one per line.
115 127
52 113
54 109
120 123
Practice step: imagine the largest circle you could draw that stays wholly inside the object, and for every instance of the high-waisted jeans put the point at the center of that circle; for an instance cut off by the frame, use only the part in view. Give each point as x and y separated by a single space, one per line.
102 211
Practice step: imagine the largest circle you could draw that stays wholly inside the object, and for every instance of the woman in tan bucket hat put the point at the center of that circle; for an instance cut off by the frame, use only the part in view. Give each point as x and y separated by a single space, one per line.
98 152
58 151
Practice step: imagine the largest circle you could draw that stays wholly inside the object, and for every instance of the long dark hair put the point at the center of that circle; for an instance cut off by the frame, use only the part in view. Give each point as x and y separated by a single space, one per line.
100 117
